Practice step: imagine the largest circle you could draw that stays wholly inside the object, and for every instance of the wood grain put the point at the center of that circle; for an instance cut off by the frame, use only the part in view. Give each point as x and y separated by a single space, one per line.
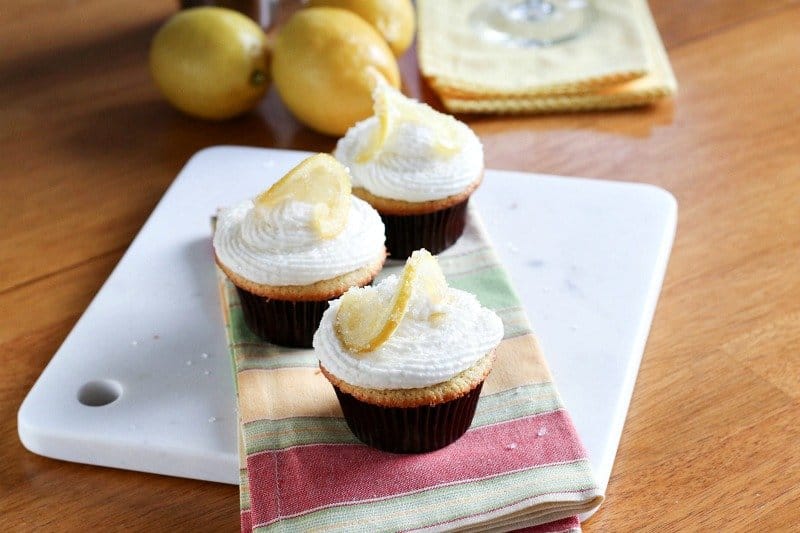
88 148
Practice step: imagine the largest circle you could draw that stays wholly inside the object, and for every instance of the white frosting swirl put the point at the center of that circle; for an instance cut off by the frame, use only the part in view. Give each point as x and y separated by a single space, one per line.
423 351
278 246
408 166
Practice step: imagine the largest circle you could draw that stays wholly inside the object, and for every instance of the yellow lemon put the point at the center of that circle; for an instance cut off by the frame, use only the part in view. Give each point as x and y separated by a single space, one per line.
394 19
365 321
325 64
320 180
210 62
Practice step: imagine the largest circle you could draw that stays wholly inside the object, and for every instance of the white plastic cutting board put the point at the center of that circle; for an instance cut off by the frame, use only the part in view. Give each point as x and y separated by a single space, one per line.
587 258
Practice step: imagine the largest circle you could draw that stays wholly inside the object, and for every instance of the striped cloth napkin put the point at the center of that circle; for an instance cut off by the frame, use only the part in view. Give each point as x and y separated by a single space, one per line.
521 465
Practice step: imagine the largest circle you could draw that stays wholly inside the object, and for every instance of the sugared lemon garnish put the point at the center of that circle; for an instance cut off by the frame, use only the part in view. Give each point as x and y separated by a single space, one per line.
391 107
365 320
319 180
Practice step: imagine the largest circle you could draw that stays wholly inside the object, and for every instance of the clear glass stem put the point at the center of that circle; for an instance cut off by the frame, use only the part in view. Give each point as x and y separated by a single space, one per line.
532 22
532 10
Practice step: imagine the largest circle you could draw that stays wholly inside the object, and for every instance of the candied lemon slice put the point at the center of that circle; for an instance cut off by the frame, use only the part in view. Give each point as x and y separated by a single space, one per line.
392 107
319 180
429 277
365 321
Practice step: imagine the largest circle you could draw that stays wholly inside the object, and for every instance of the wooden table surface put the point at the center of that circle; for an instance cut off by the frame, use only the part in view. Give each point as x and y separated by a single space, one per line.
712 439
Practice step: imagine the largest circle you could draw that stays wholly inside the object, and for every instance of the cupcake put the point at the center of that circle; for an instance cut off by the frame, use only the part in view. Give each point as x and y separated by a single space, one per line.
407 358
417 167
304 241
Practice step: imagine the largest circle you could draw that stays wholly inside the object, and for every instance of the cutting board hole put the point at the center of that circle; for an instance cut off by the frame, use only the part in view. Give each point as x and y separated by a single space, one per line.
99 393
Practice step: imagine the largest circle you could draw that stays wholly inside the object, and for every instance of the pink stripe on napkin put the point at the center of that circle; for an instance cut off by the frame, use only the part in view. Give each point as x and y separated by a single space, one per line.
350 472
567 525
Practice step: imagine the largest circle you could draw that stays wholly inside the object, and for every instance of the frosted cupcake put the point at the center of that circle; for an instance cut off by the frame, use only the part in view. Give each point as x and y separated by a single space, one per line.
417 167
408 358
304 241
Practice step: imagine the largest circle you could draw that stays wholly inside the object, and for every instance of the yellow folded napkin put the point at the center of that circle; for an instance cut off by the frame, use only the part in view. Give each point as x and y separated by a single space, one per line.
619 62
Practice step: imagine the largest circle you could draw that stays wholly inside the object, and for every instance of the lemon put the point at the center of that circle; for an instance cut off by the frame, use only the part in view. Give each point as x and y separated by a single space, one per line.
325 64
320 180
391 107
210 62
394 19
429 277
365 321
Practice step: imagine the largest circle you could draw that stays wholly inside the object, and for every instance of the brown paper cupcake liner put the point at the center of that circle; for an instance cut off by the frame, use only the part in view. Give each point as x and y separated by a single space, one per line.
280 321
435 231
409 429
